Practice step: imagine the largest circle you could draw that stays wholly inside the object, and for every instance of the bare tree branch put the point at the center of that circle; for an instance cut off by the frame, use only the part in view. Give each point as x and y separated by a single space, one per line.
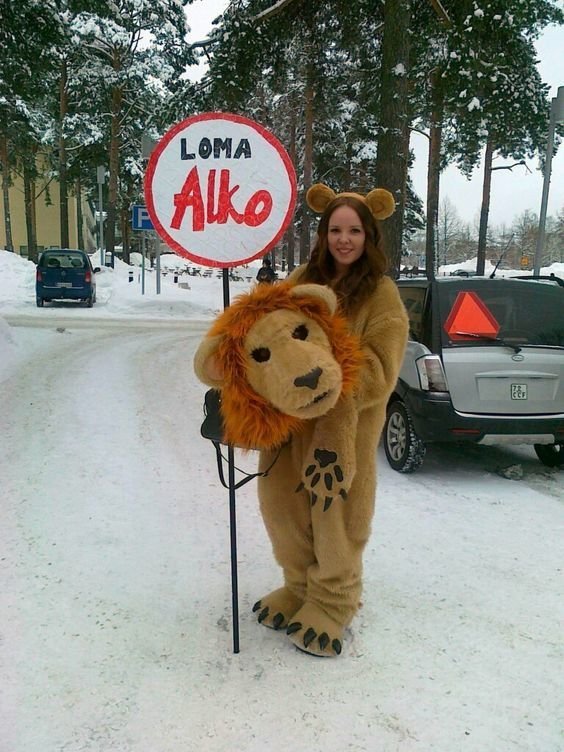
522 163
423 133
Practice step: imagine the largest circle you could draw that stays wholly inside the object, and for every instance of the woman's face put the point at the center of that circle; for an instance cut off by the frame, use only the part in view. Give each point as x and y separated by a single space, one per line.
345 238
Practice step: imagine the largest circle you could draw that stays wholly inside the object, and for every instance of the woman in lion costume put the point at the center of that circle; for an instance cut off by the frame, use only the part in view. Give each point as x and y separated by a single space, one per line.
310 382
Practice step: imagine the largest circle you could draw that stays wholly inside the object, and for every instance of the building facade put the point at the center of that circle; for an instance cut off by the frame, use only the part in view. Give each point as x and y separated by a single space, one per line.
47 219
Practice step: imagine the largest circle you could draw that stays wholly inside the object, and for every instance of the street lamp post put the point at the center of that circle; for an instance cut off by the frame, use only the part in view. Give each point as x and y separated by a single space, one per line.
556 116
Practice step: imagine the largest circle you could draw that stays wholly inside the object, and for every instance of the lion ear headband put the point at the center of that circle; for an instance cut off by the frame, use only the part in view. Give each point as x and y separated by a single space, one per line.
380 201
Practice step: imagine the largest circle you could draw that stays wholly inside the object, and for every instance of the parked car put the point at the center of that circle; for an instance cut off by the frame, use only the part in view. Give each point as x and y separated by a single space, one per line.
462 273
65 274
484 363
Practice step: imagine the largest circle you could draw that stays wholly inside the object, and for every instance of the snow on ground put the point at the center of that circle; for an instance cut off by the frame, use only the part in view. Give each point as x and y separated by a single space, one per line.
470 266
115 581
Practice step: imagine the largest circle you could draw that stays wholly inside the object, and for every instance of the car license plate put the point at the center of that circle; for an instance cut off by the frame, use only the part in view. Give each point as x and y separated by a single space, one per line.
518 391
64 284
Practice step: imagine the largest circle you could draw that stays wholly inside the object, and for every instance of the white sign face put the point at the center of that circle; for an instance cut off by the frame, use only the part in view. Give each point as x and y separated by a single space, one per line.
220 189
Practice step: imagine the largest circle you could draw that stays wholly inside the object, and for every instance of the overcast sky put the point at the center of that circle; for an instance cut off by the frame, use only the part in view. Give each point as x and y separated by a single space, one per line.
513 191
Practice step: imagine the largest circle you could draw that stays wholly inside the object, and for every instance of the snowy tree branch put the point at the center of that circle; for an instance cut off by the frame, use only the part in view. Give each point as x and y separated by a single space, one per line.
272 11
262 16
203 43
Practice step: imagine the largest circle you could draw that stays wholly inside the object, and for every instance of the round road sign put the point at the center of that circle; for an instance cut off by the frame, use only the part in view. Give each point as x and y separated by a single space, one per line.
220 189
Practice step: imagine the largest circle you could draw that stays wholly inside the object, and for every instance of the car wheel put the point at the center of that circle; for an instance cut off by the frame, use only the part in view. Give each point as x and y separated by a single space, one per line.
90 302
405 451
551 455
39 302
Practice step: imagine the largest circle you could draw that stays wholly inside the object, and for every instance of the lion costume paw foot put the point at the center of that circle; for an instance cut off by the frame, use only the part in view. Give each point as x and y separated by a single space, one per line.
324 478
277 608
313 631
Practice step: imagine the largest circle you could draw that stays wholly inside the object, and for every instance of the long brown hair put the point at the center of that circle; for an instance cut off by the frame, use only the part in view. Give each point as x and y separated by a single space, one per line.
362 277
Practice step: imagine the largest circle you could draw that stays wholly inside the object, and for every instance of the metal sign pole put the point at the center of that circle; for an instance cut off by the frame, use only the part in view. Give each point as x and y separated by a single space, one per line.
143 241
232 509
188 215
158 254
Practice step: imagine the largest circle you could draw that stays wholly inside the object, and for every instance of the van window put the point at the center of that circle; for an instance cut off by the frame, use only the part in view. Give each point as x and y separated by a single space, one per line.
62 260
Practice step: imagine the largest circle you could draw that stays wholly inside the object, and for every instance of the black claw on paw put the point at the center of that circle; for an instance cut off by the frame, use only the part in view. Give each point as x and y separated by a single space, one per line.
315 480
277 621
323 640
310 470
324 457
313 499
256 606
263 614
329 480
337 647
299 488
338 473
297 625
328 502
309 636
344 494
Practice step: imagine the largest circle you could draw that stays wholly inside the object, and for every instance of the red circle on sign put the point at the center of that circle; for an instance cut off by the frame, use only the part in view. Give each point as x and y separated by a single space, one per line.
189 181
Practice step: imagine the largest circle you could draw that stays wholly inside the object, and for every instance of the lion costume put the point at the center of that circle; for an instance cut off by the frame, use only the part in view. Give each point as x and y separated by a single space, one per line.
300 381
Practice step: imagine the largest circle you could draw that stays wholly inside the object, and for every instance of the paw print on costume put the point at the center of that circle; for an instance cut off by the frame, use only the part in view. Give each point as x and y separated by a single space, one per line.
324 478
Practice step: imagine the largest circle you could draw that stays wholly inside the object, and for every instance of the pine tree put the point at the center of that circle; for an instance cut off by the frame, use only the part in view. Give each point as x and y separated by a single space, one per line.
495 93
27 31
317 63
470 76
129 54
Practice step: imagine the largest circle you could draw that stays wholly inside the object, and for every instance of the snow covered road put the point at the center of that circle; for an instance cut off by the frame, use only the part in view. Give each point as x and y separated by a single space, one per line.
115 592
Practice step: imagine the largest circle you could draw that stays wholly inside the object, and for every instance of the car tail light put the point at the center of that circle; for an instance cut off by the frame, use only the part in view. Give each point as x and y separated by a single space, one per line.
431 374
88 277
38 276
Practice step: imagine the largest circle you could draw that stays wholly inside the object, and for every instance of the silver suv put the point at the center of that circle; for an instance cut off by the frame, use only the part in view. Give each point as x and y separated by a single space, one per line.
484 363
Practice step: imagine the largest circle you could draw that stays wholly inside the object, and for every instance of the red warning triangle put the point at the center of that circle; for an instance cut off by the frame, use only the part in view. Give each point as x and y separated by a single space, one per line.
470 314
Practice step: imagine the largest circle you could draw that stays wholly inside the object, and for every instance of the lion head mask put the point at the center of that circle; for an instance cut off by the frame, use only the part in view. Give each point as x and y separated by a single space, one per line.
281 355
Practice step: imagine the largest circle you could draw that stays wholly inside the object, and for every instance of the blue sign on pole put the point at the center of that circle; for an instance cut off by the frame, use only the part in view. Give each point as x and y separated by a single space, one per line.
140 219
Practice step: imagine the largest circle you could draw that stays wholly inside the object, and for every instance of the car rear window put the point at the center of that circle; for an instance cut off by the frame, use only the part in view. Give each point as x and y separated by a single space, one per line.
62 260
520 312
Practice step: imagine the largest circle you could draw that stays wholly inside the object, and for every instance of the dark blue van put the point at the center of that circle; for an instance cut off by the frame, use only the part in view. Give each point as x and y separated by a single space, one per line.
64 274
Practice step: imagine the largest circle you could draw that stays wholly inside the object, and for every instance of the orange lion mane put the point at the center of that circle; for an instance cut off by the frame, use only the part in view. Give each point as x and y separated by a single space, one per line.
249 420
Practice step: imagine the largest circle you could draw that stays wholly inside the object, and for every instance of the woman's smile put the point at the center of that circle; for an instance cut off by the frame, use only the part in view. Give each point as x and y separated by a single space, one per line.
345 237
